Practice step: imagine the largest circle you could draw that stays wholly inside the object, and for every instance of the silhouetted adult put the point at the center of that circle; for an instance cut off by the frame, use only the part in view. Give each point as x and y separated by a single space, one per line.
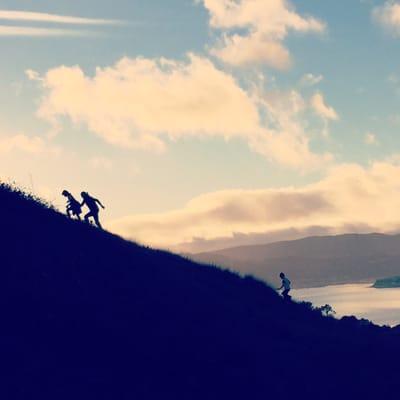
73 206
93 207
285 286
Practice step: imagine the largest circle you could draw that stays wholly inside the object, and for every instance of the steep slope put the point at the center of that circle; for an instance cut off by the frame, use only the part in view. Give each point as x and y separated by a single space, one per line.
86 315
316 261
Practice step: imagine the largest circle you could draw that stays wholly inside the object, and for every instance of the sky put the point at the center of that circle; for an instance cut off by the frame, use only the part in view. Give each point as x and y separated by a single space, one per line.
204 124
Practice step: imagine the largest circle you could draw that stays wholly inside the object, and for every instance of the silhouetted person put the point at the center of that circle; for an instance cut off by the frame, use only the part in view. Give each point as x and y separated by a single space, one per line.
285 286
73 206
93 207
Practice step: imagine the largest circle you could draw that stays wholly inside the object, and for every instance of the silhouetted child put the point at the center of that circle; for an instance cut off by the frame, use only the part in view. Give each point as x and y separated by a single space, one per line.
91 203
285 286
73 206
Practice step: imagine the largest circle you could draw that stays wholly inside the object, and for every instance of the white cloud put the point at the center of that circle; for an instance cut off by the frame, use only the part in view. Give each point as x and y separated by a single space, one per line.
266 25
240 50
370 139
32 75
311 79
39 32
26 144
13 15
137 101
388 16
285 139
145 103
349 196
27 31
322 109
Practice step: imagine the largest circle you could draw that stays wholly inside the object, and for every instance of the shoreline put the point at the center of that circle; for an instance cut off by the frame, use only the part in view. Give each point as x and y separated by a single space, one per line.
369 282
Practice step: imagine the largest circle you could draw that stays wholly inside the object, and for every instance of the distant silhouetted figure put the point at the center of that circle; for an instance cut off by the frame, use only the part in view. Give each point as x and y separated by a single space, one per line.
73 206
91 203
285 286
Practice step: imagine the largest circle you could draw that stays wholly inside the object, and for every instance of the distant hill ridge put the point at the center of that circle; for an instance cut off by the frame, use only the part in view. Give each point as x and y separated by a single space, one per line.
316 261
87 315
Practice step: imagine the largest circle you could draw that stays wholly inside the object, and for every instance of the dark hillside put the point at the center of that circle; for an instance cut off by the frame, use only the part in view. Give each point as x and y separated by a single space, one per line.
87 315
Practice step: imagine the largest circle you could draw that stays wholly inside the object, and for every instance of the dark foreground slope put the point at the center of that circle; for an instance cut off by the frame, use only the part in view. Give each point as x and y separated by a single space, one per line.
86 315
316 261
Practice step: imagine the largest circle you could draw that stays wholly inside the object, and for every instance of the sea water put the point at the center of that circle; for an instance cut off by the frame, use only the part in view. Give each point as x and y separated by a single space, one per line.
381 306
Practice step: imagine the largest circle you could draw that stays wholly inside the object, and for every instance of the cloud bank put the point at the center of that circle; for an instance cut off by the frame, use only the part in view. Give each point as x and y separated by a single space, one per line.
349 195
139 101
148 103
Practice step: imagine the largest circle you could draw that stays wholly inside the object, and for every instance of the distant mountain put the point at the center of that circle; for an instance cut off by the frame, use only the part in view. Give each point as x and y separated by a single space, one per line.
86 315
315 261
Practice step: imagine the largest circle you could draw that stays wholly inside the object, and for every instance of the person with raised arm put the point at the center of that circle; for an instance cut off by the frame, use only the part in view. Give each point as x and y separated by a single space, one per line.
93 206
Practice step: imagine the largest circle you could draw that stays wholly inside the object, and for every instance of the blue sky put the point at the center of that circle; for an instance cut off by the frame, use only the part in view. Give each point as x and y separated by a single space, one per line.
343 117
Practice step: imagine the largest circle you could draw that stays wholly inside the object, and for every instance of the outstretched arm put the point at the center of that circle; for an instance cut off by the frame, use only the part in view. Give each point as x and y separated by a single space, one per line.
99 202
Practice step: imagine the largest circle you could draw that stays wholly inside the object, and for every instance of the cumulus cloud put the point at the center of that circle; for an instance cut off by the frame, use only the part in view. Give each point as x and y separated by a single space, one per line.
146 103
285 139
266 25
26 144
136 102
253 49
322 109
388 16
349 197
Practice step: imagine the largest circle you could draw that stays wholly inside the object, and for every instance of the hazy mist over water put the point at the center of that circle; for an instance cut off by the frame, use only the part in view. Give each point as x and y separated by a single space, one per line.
381 306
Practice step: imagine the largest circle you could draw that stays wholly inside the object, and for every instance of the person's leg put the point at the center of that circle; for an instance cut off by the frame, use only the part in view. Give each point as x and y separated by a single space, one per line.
96 220
286 295
77 213
87 216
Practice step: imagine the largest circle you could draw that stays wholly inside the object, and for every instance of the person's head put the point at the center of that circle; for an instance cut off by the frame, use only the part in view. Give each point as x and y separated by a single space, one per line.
66 193
282 275
85 195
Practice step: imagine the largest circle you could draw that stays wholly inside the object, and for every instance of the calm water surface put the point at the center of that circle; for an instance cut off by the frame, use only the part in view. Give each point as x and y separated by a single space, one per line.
382 306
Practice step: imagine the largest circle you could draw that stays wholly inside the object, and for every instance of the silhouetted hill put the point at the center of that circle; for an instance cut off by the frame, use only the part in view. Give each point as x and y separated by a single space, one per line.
315 261
87 315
